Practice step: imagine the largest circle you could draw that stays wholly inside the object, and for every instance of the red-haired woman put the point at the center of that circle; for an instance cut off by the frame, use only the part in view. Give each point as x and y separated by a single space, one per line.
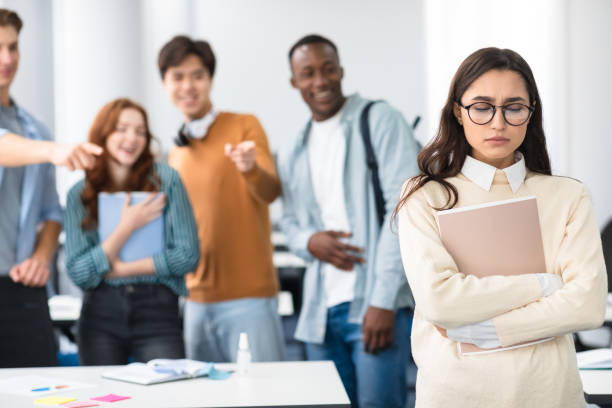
129 308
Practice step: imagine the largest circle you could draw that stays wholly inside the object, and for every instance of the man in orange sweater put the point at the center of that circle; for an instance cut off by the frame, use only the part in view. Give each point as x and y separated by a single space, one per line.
227 168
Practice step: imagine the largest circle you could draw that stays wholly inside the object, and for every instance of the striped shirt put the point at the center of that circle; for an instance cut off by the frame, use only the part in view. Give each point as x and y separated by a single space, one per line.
87 263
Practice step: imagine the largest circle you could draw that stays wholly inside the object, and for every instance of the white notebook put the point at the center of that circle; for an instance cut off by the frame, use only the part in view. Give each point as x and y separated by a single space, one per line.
164 370
496 238
144 242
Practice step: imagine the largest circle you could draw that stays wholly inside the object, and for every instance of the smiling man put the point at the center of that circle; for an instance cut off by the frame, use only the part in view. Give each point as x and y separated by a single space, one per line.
227 168
357 303
30 215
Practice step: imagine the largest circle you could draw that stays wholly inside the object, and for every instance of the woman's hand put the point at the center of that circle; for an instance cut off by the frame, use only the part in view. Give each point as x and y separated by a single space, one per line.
120 269
138 215
117 270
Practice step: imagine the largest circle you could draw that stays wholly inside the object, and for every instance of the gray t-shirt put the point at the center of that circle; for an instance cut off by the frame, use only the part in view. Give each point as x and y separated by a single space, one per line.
11 187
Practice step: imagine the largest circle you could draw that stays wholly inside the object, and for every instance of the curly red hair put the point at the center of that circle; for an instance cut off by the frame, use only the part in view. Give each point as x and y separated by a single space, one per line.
143 177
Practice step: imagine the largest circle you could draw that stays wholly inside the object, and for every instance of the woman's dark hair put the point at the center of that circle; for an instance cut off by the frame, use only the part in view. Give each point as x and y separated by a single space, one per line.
180 47
444 156
142 176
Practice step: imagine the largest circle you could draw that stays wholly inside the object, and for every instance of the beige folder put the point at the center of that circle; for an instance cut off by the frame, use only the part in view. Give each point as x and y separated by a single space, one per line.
496 238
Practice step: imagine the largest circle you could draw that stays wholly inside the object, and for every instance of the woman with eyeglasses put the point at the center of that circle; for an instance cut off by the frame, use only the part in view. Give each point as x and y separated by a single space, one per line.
490 146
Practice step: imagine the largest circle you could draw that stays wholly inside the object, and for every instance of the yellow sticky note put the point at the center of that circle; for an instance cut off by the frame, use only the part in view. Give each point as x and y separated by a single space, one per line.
54 400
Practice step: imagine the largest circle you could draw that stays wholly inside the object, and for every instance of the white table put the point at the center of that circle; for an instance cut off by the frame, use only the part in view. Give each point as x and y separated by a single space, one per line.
597 385
281 384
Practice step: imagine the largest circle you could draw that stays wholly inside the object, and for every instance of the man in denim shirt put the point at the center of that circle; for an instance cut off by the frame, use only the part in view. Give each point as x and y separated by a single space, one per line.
357 308
30 215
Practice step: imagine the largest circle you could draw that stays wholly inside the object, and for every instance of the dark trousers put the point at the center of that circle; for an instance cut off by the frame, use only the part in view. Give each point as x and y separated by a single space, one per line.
139 321
26 332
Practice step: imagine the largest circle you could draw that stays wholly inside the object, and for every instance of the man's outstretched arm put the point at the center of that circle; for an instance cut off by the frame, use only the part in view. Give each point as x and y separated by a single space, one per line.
18 151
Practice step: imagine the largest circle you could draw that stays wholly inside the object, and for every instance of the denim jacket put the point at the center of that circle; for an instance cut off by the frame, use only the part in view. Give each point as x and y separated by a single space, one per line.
380 281
39 200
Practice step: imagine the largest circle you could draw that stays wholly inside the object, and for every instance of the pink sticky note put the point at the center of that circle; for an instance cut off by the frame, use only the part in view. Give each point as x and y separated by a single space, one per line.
80 404
110 398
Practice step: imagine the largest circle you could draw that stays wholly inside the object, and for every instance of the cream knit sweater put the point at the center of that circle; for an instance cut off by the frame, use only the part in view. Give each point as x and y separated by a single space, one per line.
543 375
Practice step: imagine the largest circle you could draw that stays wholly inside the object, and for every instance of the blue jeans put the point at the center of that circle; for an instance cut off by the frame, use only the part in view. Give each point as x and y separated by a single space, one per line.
370 380
212 329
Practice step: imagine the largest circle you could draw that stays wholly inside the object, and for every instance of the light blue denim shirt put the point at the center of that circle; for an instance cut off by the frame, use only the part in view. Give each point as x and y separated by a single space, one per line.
381 281
39 200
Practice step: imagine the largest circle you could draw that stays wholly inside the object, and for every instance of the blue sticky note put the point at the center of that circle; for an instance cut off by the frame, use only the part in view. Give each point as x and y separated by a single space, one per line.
215 374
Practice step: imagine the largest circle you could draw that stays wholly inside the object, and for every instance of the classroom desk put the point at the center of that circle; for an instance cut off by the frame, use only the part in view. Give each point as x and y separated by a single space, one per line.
597 385
282 384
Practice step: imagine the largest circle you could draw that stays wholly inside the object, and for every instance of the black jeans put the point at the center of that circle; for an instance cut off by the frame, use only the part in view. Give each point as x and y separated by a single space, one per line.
26 332
139 321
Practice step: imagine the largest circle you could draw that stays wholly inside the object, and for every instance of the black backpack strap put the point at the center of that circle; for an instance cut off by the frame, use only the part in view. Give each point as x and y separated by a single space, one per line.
364 127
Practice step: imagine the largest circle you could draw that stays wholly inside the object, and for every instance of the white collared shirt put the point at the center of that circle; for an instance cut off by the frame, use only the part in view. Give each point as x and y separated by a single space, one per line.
482 174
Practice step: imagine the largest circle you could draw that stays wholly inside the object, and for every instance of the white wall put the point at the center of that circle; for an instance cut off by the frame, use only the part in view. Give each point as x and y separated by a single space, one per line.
161 20
97 58
590 100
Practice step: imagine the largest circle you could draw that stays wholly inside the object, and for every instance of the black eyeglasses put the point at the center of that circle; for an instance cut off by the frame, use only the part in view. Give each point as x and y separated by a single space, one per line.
481 113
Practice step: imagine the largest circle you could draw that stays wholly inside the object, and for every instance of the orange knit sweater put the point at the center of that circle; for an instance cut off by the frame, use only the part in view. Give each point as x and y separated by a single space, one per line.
231 210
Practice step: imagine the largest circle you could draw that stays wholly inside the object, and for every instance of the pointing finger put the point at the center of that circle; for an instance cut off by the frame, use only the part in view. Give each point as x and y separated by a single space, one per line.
92 148
247 146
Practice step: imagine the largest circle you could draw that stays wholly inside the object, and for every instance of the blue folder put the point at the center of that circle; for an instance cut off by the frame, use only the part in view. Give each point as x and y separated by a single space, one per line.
145 241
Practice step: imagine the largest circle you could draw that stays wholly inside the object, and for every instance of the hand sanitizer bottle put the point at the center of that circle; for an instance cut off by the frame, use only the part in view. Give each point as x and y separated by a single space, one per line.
243 358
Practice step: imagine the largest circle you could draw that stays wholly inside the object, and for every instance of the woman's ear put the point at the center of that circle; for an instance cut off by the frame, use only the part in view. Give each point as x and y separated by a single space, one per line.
457 113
